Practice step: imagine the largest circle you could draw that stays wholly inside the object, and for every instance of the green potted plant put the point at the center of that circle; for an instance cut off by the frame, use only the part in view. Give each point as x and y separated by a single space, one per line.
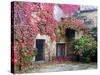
85 48
78 48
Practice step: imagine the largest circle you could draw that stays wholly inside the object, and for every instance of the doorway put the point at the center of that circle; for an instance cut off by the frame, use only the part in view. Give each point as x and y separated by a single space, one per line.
40 49
69 38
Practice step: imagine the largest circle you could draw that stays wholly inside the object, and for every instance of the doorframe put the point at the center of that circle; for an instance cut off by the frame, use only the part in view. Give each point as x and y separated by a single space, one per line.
43 49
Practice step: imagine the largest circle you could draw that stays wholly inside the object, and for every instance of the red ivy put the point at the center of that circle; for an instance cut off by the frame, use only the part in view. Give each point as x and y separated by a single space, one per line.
28 17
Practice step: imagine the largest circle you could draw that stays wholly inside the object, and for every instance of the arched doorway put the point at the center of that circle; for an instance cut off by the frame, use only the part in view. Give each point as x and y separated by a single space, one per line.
69 38
68 29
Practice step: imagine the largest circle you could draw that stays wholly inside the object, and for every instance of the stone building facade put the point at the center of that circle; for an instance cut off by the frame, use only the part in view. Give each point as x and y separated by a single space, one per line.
68 29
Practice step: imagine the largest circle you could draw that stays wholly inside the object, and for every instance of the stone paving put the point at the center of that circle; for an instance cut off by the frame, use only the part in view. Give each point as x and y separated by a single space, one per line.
63 67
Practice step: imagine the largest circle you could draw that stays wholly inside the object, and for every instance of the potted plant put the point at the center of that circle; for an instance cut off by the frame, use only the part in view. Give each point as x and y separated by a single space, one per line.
77 45
85 48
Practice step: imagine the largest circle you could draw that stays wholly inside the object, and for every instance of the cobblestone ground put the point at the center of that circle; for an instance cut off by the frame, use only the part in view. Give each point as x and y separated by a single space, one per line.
62 67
